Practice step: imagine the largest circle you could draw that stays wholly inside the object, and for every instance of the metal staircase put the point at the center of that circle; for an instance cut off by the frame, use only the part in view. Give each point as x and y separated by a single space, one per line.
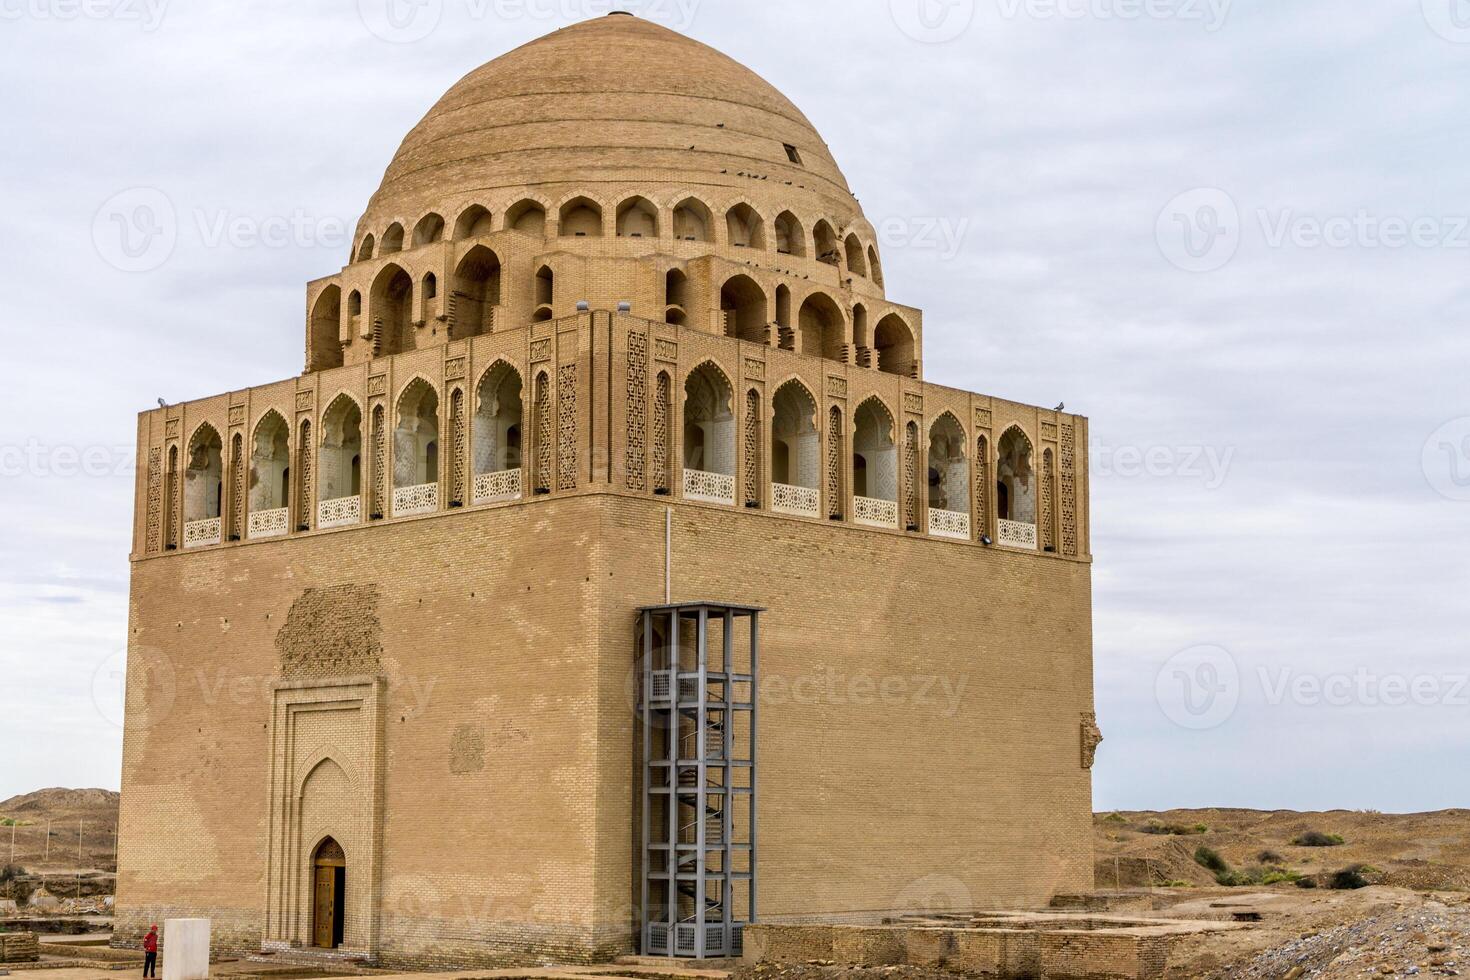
697 706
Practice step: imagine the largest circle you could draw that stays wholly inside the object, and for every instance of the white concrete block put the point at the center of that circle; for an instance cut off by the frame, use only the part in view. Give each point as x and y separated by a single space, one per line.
185 949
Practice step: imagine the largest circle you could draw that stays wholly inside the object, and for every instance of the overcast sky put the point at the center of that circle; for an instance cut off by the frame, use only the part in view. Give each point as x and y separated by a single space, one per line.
1234 235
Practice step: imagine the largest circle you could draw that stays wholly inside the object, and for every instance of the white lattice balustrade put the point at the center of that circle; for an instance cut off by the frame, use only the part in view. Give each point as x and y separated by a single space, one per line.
490 487
269 523
711 488
342 512
949 524
197 534
1016 534
422 499
802 501
875 513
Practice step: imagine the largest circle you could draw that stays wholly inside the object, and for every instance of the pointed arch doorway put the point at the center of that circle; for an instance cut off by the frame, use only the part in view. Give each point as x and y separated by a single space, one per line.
329 894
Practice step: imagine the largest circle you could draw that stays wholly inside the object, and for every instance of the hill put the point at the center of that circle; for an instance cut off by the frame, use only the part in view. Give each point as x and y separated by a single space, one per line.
68 816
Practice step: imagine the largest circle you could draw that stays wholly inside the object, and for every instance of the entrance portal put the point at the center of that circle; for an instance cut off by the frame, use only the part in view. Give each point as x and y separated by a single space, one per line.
329 894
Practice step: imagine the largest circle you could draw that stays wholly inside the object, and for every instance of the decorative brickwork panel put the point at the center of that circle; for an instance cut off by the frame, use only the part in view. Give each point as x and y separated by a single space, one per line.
454 368
171 428
566 427
541 350
237 414
237 488
983 418
666 350
458 448
1048 517
752 454
982 485
155 502
304 400
913 403
377 385
755 369
912 481
663 410
378 504
1049 432
541 409
304 481
837 386
171 495
1069 489
636 470
836 455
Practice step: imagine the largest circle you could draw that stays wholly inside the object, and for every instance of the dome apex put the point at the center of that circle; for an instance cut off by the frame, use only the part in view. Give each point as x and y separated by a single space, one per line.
612 102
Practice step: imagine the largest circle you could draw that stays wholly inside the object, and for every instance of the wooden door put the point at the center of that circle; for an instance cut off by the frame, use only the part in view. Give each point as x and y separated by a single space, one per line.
324 920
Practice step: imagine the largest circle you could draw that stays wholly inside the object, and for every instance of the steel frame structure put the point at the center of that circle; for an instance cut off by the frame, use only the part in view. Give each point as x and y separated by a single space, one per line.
698 711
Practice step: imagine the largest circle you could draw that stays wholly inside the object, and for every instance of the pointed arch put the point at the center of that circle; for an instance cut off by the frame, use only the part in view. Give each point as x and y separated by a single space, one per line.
693 221
544 461
429 230
270 476
822 327
983 526
326 330
790 235
894 342
545 294
392 239
236 529
856 264
499 410
637 217
476 294
875 453
796 450
415 444
581 217
390 304
204 476
862 339
366 249
709 420
751 459
305 459
948 469
661 442
340 473
837 465
676 297
875 266
527 216
1046 518
745 309
474 221
1015 478
745 228
824 243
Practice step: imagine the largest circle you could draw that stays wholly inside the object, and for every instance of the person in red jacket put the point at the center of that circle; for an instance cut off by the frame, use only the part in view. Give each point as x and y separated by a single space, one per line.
150 952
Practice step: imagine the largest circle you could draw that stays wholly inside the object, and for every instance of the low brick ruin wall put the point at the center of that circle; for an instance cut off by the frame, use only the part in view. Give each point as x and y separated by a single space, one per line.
19 947
1006 948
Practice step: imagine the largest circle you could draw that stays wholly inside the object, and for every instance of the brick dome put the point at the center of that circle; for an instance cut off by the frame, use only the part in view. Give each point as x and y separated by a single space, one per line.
605 105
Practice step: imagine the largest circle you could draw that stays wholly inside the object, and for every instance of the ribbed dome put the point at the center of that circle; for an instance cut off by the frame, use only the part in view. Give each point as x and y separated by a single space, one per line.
603 105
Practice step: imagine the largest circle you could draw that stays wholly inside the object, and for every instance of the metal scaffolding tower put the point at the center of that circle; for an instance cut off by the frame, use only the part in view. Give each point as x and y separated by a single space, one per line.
699 664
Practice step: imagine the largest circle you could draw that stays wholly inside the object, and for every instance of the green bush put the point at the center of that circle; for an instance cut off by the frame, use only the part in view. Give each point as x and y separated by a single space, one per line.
1210 860
1173 829
1270 858
1277 875
1316 839
1115 818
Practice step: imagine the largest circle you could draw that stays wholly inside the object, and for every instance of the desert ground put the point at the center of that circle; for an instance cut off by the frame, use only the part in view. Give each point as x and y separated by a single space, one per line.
1328 895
